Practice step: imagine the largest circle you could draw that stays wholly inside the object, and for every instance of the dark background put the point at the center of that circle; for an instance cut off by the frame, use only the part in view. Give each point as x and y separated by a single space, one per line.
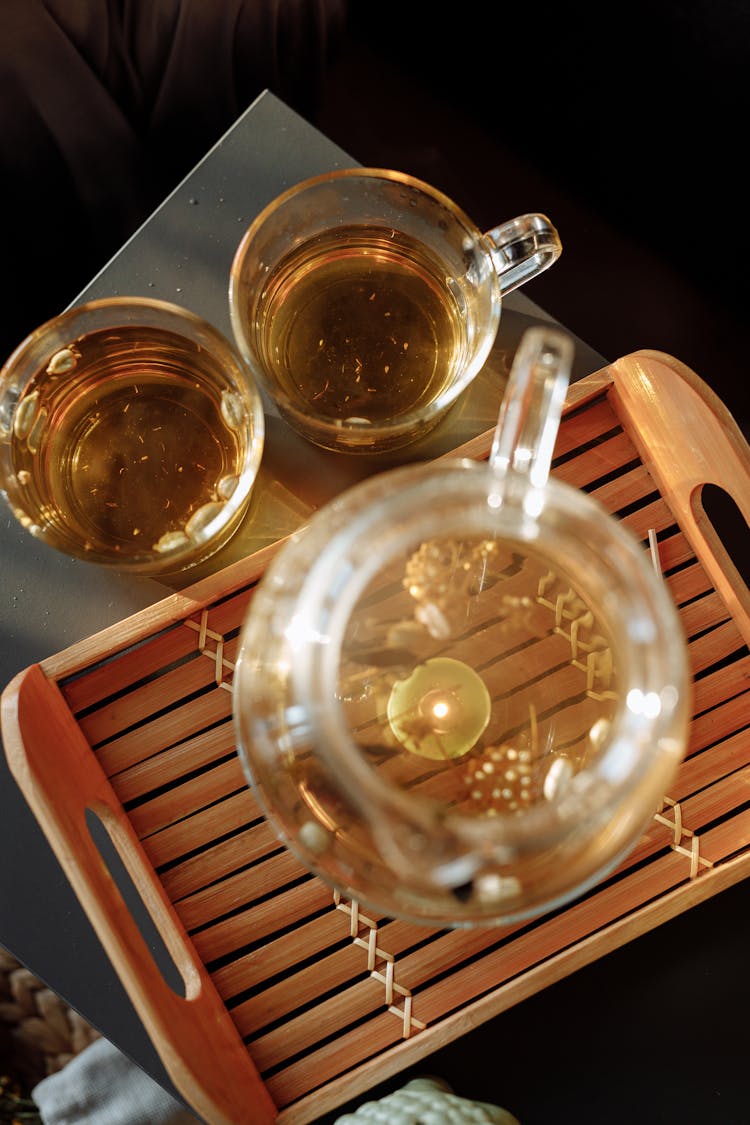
623 123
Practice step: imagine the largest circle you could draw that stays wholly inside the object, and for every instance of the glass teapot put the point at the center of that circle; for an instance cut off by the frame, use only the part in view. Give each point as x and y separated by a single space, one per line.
462 689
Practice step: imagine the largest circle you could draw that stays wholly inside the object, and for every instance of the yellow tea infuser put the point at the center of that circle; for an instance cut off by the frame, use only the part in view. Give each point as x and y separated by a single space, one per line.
462 689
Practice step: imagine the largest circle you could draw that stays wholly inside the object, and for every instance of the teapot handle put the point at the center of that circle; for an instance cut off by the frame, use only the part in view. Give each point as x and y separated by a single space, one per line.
530 411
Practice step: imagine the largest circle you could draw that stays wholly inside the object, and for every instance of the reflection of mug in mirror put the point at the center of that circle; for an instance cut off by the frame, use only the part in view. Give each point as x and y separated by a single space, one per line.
366 301
462 689
130 435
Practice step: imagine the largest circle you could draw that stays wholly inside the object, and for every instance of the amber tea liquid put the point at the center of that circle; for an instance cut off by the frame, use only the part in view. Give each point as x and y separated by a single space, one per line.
129 442
359 324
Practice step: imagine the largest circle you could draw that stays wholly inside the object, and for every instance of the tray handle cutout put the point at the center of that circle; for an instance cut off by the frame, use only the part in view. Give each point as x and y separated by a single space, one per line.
689 440
104 834
63 797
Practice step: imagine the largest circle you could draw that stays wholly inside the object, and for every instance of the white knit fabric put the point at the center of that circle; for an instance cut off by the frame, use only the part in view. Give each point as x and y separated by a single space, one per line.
101 1086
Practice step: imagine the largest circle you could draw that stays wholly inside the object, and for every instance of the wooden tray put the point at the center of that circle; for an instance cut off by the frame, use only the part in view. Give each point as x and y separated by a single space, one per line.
295 1000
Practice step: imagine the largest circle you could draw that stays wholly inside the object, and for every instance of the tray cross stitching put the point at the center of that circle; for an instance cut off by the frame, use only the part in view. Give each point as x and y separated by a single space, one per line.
295 998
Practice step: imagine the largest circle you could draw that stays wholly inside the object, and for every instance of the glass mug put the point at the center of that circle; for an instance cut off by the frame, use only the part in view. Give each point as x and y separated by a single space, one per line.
365 302
131 434
462 690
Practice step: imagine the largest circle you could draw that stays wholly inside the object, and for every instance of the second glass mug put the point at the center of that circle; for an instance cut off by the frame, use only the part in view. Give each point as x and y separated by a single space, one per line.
365 301
462 689
131 435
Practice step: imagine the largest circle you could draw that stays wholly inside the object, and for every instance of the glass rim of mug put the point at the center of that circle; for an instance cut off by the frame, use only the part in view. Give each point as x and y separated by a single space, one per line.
73 323
359 517
391 430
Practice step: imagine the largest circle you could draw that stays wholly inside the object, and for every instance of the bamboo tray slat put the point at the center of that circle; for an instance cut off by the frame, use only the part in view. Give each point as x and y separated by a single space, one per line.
294 999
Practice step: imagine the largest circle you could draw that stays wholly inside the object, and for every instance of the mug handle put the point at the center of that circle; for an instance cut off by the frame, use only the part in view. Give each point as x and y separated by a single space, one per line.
522 248
530 411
